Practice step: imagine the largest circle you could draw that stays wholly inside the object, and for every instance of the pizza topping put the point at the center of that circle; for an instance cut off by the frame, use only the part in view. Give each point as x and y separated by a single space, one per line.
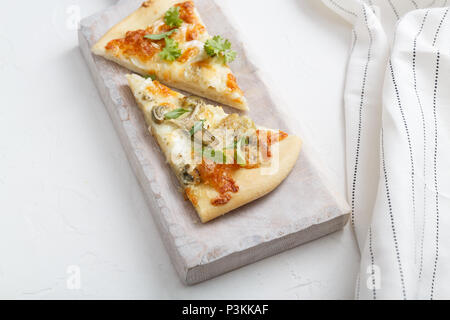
193 102
232 83
172 17
190 176
208 139
158 113
174 114
216 156
203 64
218 46
134 44
219 176
225 143
193 33
274 137
267 138
160 36
187 11
237 123
221 200
187 54
191 196
150 76
159 89
239 156
171 51
178 37
196 127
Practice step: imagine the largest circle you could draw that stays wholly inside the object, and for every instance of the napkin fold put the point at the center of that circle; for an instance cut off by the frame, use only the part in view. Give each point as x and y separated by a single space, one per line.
397 109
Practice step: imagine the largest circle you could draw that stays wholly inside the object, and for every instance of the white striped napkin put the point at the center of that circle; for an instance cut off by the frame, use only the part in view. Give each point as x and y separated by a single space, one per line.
397 106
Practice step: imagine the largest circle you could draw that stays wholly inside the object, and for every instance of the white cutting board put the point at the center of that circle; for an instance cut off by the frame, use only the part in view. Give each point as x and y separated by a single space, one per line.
303 208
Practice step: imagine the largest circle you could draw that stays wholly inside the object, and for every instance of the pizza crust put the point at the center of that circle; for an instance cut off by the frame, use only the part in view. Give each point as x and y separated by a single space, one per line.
253 184
147 14
209 93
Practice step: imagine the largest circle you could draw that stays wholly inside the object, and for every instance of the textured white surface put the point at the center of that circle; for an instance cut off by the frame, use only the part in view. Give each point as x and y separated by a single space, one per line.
68 196
303 208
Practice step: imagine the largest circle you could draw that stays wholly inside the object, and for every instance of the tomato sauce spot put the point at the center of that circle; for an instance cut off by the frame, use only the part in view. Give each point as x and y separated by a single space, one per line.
221 200
187 54
219 177
267 138
193 32
134 44
160 89
232 83
187 13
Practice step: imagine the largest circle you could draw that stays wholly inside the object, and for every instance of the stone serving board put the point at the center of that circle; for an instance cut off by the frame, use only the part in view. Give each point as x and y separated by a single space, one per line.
303 208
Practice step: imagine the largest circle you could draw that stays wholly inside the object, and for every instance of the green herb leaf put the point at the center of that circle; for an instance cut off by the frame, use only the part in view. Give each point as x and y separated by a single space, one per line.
196 127
172 17
159 36
151 76
229 56
218 46
215 155
174 114
171 52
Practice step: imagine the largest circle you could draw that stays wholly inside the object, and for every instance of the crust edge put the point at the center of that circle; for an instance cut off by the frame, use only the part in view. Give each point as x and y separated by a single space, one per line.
253 184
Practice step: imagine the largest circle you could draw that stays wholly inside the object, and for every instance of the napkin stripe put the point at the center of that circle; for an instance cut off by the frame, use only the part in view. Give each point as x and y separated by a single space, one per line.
361 105
358 286
391 215
372 262
408 137
358 281
394 9
433 280
340 7
414 3
424 172
439 27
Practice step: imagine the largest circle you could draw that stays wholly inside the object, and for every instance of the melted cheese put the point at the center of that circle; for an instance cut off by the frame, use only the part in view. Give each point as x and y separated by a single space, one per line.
176 143
174 138
197 68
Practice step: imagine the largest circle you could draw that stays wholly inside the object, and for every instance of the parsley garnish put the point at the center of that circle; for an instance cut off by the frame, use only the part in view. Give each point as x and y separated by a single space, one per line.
218 46
159 36
174 114
171 52
172 17
151 76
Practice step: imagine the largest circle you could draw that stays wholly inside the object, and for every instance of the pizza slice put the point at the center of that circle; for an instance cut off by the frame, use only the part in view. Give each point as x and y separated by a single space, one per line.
167 40
221 160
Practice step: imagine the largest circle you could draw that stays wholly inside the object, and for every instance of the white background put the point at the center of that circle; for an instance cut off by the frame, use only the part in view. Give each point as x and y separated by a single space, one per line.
68 195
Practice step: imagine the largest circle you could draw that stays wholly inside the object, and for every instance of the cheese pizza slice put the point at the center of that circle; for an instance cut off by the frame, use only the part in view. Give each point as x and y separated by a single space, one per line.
167 40
221 160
